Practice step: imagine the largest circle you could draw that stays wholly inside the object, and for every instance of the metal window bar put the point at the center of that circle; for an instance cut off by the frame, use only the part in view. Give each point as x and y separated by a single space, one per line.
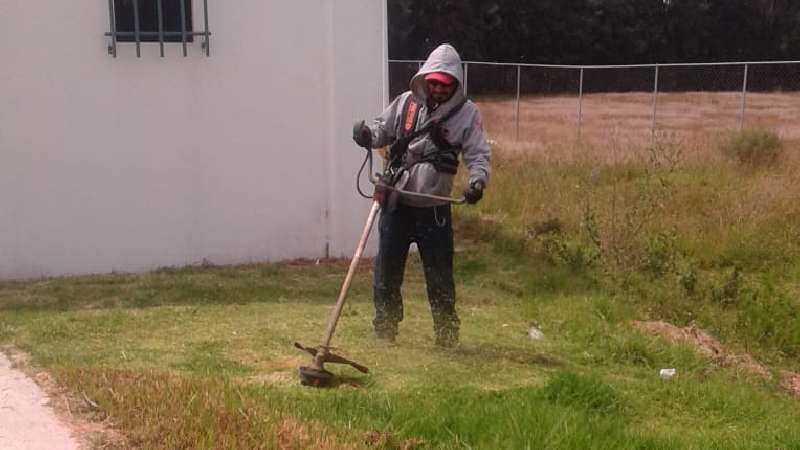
183 26
136 28
112 20
207 43
138 34
160 28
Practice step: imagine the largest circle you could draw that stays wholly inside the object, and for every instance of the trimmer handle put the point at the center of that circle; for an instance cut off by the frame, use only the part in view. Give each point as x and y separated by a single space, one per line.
381 185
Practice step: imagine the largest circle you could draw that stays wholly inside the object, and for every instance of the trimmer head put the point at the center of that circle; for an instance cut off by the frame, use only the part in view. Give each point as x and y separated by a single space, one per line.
316 375
310 376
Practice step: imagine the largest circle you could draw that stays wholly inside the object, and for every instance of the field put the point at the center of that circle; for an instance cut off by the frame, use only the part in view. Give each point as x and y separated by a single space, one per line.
623 121
628 257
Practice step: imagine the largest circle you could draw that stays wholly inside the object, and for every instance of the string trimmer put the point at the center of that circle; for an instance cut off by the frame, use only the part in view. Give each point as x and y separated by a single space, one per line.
316 375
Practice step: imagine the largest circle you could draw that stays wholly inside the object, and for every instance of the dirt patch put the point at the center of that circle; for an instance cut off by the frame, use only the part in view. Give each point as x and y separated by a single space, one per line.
706 345
791 382
382 439
66 420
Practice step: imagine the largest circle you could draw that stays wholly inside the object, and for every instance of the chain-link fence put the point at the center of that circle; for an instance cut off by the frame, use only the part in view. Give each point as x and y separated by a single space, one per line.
531 102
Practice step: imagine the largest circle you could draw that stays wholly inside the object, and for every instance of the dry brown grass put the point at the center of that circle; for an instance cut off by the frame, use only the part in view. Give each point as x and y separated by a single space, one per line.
165 410
77 412
616 125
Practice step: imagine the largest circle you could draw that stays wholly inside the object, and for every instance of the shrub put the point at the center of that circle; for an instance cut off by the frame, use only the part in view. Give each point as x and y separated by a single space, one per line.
576 255
753 146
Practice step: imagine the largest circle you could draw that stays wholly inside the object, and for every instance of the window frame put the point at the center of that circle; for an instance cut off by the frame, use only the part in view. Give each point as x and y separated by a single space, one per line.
160 36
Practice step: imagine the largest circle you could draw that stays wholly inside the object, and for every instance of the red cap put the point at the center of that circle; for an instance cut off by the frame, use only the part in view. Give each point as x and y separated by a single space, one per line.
441 77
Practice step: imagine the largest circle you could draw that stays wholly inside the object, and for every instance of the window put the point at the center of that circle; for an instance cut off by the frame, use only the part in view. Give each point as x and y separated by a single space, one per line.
148 20
155 21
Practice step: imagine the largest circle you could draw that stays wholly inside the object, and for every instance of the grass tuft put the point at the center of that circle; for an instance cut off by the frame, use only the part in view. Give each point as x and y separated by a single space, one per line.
583 391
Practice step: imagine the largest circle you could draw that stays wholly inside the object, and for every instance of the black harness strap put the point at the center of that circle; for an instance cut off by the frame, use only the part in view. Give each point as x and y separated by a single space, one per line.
444 159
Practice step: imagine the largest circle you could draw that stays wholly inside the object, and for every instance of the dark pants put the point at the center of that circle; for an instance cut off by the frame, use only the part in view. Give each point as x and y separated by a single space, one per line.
431 229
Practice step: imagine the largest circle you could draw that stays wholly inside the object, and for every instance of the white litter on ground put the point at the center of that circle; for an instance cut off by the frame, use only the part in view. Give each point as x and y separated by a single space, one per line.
666 373
26 422
535 333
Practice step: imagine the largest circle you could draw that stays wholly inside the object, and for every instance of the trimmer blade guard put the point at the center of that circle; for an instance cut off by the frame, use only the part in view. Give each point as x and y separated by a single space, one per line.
310 376
316 375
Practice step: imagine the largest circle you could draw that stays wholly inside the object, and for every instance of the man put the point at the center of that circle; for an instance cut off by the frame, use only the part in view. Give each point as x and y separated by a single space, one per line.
428 127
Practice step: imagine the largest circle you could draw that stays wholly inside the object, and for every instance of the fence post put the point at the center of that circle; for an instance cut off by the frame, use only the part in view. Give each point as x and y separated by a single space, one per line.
516 115
580 103
466 77
655 105
744 98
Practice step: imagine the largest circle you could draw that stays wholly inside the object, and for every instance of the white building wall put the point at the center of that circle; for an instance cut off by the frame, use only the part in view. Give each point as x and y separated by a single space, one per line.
133 163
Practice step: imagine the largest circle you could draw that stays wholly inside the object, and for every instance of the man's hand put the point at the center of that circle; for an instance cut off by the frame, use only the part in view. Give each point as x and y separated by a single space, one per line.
362 135
474 192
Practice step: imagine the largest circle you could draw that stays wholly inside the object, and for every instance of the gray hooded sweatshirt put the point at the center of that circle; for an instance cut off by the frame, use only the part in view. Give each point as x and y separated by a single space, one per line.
464 129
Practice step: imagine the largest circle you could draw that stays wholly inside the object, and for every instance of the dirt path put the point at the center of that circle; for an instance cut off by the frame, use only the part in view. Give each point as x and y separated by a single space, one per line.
26 422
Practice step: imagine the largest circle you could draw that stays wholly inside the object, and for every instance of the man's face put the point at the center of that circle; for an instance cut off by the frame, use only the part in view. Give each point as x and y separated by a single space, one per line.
440 92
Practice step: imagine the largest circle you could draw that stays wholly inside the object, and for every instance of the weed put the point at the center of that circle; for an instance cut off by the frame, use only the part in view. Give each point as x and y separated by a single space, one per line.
727 292
659 255
576 255
687 279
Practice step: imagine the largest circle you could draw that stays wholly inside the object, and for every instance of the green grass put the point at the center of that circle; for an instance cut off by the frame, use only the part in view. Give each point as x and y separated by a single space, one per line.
202 357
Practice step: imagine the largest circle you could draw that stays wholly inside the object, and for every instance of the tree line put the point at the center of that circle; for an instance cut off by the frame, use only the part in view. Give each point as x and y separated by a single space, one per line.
598 31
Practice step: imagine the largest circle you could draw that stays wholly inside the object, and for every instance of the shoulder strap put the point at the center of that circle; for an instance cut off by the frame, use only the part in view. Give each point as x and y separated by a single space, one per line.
453 111
410 116
435 123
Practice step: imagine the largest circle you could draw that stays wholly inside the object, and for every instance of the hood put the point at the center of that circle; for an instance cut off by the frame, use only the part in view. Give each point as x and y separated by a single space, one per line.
445 59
